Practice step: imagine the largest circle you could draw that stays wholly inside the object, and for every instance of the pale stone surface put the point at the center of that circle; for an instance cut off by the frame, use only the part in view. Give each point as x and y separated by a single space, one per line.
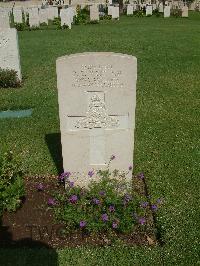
9 52
97 99
4 20
43 15
149 10
94 12
161 9
115 12
17 14
34 20
65 18
52 12
110 10
167 12
129 10
185 12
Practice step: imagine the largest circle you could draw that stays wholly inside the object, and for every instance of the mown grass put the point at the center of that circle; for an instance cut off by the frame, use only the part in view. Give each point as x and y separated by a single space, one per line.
167 128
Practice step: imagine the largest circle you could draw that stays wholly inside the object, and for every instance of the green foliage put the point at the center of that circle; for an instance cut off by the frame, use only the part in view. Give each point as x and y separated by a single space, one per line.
156 12
20 26
11 183
82 16
9 78
43 24
177 13
138 13
109 204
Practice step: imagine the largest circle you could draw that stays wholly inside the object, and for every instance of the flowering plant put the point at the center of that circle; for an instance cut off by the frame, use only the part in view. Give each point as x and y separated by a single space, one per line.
107 205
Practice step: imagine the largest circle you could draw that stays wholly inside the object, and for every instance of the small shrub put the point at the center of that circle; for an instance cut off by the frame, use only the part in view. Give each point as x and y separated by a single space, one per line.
138 13
65 27
156 12
177 13
11 183
106 206
44 24
9 79
20 26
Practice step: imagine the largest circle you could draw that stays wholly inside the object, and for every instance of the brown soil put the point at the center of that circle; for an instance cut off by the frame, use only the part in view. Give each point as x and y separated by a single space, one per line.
33 224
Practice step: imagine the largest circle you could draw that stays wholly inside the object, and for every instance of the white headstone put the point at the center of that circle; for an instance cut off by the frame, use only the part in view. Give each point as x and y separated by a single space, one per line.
65 18
34 20
149 10
43 14
4 20
129 10
9 52
167 12
17 14
185 12
110 10
115 12
94 12
97 99
161 9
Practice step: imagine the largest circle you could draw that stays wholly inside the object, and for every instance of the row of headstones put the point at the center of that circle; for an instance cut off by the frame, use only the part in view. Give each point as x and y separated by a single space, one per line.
150 8
36 16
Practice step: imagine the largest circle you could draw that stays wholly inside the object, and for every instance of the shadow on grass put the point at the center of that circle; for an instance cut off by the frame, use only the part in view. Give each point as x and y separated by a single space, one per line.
25 251
54 144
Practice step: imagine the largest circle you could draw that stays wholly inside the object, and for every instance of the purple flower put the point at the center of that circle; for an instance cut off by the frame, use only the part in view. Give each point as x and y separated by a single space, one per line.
91 173
142 220
73 199
111 208
96 201
144 204
114 225
64 175
141 175
154 207
104 217
82 224
71 183
112 157
130 168
40 187
159 201
127 198
102 193
51 202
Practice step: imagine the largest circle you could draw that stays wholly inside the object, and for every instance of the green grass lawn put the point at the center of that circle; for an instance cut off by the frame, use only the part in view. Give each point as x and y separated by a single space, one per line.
167 143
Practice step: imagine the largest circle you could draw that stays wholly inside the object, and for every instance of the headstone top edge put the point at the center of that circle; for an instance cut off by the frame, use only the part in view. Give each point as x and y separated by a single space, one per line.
71 56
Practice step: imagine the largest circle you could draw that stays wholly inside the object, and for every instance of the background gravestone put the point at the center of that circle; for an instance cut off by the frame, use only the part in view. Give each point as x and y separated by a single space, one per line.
9 52
17 14
4 20
166 11
97 98
34 20
94 12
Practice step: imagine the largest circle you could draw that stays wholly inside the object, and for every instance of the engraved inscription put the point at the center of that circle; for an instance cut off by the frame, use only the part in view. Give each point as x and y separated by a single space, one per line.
100 76
97 116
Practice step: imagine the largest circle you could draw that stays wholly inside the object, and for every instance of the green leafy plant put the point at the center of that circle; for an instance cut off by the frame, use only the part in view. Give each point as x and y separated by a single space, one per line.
177 13
138 13
11 183
20 26
107 205
9 78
